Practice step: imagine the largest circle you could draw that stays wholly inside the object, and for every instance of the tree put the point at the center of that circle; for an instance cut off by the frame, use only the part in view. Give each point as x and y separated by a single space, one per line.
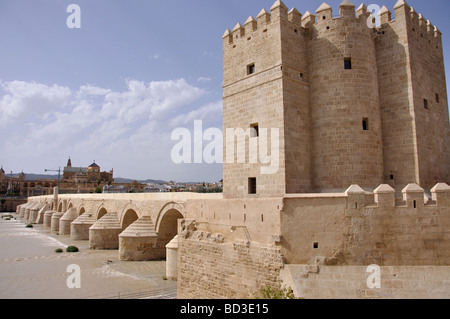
98 190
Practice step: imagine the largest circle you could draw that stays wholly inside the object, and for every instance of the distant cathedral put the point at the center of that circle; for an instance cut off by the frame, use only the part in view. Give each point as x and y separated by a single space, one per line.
90 174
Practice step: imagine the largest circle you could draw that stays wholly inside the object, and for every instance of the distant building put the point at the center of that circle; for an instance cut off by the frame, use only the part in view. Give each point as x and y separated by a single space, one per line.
18 185
87 175
114 189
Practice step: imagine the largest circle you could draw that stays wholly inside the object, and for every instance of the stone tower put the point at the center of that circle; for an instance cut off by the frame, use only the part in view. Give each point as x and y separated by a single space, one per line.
413 99
353 104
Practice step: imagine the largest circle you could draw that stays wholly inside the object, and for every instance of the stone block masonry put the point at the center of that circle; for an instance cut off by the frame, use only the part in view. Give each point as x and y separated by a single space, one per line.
209 267
364 167
350 282
230 248
354 104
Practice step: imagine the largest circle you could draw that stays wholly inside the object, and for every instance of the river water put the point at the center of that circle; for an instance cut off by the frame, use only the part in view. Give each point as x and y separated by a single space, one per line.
31 269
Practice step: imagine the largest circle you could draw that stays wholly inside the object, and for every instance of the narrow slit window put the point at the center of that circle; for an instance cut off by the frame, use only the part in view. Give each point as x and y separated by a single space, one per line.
254 130
348 63
251 69
437 98
365 124
252 185
425 104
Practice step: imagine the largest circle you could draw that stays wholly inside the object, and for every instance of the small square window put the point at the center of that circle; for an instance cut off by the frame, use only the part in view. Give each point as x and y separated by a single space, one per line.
251 69
316 245
425 104
254 130
365 124
252 185
348 63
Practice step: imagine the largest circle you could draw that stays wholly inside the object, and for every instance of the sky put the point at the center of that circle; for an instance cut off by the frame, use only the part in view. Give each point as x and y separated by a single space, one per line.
114 90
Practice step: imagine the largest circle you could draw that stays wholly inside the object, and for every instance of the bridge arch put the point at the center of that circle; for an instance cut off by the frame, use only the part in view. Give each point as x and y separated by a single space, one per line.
167 214
81 211
128 218
101 212
167 223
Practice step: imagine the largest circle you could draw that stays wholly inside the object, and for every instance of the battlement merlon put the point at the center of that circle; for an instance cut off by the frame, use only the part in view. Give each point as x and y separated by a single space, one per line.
347 9
413 196
279 11
441 194
403 11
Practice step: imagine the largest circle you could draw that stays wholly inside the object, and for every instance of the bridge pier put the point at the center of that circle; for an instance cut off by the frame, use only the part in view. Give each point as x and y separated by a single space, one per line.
104 234
172 259
79 228
41 213
66 220
55 221
48 218
139 241
34 212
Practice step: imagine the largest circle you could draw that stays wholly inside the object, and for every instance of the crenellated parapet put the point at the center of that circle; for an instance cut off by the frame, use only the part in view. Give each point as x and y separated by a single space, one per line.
417 23
279 12
414 196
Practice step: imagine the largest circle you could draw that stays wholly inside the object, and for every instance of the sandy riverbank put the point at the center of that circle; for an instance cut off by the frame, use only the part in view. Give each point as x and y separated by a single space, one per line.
31 269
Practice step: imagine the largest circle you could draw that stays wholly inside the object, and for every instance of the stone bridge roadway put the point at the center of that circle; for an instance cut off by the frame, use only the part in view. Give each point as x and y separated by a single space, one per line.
139 225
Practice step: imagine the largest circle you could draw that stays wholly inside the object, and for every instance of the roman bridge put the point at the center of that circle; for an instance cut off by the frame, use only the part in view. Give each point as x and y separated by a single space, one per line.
229 248
138 225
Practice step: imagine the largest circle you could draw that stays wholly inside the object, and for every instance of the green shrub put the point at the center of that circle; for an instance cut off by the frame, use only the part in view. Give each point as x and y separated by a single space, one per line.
72 249
58 250
269 292
29 226
98 190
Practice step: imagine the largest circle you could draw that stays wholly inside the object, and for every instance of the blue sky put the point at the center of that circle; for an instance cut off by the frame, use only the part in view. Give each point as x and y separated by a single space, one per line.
115 89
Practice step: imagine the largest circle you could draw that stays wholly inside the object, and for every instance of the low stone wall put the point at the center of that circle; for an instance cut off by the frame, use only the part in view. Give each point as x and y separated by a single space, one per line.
360 229
211 268
350 282
10 204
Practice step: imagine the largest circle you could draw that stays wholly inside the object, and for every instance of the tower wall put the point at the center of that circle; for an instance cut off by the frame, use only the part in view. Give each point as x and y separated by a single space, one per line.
347 100
297 113
345 150
250 99
396 101
430 102
411 70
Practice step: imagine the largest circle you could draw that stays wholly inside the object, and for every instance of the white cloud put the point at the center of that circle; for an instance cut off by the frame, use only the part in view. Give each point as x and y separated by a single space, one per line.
204 79
89 90
131 127
210 111
151 101
24 100
155 56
